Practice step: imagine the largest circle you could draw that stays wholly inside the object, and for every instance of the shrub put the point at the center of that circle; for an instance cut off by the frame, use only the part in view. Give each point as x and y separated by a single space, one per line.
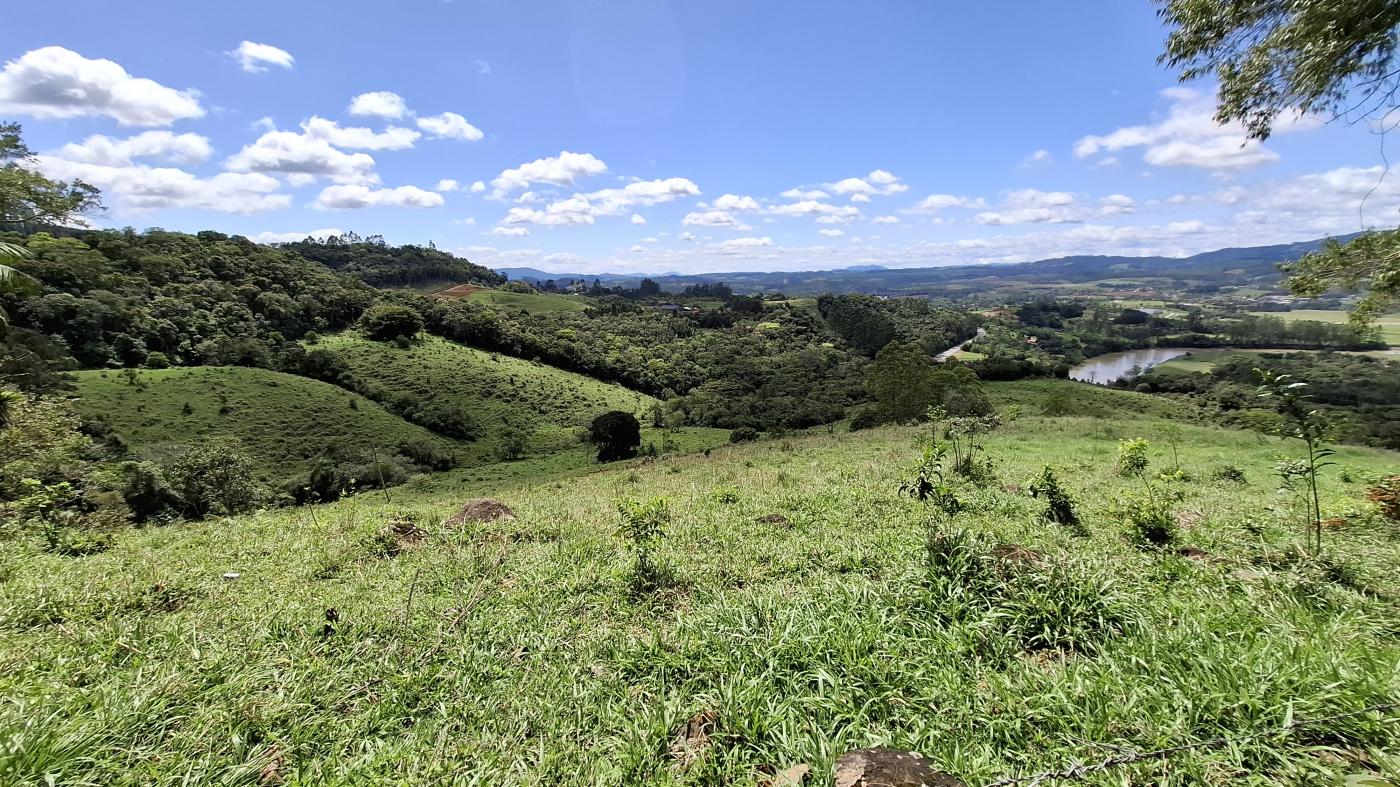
743 434
157 360
146 491
1150 522
1059 504
1132 457
427 455
867 418
214 477
514 443
388 321
446 419
617 435
1386 496
1228 473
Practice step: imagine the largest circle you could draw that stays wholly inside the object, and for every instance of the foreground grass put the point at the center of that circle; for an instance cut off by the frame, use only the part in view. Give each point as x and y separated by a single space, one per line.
514 652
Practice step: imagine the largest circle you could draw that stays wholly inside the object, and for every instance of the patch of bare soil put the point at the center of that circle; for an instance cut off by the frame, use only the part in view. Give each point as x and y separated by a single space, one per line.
880 767
482 509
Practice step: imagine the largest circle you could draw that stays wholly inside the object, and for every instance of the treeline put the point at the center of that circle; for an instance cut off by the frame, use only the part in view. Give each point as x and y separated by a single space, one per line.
156 299
378 264
1361 393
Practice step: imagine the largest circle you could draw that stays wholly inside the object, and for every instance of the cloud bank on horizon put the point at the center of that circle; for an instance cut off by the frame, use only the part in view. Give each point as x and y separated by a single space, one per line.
478 152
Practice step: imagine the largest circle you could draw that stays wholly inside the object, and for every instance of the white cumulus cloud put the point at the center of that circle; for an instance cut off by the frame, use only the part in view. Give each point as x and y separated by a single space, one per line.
54 83
302 158
1189 136
450 125
715 218
357 138
139 188
255 58
562 170
162 146
380 103
352 196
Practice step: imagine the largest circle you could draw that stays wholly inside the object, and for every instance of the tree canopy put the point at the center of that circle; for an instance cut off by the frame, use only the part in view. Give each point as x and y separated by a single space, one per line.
617 435
27 198
1274 57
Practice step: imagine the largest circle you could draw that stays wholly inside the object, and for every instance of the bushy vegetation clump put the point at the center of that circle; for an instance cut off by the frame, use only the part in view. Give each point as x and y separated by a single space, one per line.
1132 457
616 435
1059 502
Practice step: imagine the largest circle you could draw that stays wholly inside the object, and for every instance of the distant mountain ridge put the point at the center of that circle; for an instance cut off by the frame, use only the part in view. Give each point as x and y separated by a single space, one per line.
1222 266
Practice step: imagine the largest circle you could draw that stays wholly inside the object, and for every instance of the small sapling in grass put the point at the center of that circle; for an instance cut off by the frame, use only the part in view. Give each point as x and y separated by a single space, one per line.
1059 504
1303 422
643 525
1132 457
930 486
1149 520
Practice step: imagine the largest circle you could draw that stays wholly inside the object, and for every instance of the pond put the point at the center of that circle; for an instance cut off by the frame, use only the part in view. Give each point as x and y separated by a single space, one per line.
1105 369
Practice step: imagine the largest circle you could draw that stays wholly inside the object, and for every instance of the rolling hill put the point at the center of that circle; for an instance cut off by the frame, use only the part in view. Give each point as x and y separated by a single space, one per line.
499 391
283 422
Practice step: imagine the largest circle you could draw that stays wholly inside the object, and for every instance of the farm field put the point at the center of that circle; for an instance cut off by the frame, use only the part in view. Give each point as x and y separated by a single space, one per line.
1389 323
521 651
535 303
284 422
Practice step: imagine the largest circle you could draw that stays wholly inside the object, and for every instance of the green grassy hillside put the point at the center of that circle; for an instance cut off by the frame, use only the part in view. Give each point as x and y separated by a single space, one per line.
499 390
521 652
536 303
284 422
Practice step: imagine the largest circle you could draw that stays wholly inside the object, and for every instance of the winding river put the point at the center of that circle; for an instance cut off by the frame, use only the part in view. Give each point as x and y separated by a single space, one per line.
1105 369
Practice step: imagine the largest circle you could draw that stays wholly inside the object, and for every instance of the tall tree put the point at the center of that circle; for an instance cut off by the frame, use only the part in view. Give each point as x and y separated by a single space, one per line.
10 278
27 198
1274 57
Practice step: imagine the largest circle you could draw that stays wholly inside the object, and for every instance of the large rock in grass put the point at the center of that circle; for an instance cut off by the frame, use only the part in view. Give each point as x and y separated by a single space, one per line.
482 509
880 767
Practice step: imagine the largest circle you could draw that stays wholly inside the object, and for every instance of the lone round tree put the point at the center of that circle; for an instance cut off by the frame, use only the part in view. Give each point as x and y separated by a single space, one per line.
388 321
617 435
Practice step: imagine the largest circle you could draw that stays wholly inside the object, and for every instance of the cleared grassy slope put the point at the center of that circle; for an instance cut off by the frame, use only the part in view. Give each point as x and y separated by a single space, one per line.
535 303
513 652
283 421
499 390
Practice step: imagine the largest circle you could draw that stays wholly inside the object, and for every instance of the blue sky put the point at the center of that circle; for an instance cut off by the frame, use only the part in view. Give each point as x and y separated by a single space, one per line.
649 136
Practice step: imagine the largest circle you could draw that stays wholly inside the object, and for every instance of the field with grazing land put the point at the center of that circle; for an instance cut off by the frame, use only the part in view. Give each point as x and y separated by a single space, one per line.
1388 323
535 303
795 605
499 391
284 422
